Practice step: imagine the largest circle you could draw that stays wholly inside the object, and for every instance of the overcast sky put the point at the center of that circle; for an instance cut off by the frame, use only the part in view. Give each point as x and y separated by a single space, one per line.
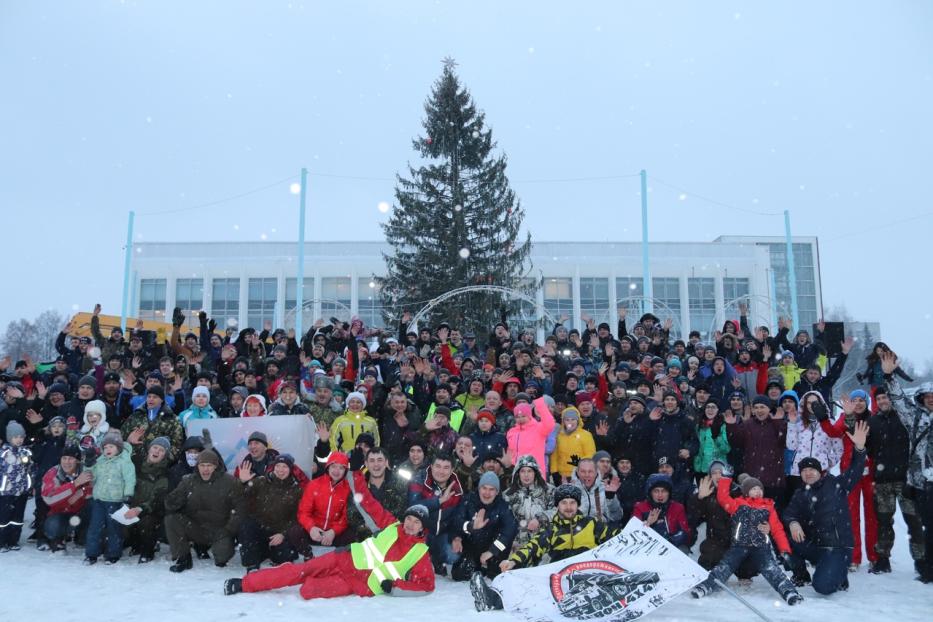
819 107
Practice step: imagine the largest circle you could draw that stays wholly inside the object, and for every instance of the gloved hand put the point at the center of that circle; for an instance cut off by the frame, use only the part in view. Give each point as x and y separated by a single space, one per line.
211 324
574 460
820 412
178 318
787 562
727 471
386 586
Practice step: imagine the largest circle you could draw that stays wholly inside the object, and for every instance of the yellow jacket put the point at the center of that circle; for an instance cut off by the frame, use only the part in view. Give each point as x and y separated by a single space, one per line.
347 427
578 443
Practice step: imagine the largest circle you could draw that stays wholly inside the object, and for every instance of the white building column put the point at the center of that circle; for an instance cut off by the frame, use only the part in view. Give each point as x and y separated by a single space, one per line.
719 293
244 300
170 291
575 294
685 304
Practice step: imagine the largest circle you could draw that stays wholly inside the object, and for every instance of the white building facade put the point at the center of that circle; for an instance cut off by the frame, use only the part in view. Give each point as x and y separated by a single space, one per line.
696 284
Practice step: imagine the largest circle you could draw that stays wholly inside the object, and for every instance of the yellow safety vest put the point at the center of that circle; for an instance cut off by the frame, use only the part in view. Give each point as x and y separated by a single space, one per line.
370 555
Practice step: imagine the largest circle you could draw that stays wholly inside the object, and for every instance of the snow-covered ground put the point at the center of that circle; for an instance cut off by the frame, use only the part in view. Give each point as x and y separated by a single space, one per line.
37 586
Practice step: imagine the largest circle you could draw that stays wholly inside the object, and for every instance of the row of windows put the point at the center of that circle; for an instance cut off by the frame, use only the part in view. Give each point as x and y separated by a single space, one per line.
335 299
262 296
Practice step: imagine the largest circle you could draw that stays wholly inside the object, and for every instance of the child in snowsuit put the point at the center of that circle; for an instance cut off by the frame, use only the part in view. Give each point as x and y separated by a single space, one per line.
114 483
17 471
753 518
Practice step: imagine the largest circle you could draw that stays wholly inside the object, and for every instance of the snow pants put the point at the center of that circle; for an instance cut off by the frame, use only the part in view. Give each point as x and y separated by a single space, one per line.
864 489
182 532
12 509
888 495
761 557
327 576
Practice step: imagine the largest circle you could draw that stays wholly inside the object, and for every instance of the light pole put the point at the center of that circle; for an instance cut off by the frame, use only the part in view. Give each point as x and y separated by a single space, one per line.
791 271
648 295
300 281
127 258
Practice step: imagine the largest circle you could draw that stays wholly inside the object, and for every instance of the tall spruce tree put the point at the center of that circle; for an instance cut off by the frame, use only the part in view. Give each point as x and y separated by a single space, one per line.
457 221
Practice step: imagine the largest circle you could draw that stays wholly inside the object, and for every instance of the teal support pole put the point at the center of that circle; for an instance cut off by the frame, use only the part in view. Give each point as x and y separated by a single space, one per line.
791 272
127 259
300 281
645 264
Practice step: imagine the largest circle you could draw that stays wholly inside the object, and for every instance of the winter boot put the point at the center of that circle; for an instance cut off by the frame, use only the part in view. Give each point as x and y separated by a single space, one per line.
801 577
701 590
144 559
233 586
484 597
882 566
463 570
793 598
440 569
203 552
90 561
182 564
57 546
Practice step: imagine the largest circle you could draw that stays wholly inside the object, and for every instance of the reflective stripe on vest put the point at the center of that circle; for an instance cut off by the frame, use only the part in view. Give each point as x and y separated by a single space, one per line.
370 555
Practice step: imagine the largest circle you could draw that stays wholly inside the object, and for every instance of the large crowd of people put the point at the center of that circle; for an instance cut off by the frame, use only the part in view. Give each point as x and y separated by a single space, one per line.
441 454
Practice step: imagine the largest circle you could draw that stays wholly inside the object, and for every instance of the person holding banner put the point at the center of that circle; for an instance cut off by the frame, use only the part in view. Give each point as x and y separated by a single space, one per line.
569 534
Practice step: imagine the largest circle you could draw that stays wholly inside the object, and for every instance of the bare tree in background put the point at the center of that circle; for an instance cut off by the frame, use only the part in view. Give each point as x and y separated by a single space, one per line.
36 339
47 326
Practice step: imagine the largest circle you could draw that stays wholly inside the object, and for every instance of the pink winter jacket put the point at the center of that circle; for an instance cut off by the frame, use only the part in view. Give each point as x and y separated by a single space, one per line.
530 437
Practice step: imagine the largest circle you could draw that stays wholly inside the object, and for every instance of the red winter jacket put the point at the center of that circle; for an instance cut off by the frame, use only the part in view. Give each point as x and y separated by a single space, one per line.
60 493
731 504
324 502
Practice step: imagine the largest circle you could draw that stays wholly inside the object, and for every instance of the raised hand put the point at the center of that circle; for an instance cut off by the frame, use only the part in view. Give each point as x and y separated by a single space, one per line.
97 309
888 362
602 428
729 417
622 311
613 484
847 344
860 435
705 488
323 432
655 414
480 520
246 471
653 516
41 390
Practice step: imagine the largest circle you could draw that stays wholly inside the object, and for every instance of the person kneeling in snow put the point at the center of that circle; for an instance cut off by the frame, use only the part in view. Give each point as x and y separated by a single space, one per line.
753 519
394 562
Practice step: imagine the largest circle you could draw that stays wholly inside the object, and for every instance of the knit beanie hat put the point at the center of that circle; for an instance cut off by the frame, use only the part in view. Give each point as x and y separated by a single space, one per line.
113 437
258 436
489 479
599 455
418 511
201 390
356 395
567 491
13 428
163 442
747 482
209 456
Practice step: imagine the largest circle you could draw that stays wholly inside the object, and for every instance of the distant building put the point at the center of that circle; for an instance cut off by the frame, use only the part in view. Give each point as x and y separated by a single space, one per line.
697 284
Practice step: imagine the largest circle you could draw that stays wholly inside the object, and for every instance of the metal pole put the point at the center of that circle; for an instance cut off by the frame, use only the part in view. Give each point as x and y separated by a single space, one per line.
742 600
300 281
791 272
645 266
127 258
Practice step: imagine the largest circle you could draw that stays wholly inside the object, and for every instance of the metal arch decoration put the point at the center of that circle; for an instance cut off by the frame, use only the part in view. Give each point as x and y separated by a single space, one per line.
308 305
413 325
760 319
661 309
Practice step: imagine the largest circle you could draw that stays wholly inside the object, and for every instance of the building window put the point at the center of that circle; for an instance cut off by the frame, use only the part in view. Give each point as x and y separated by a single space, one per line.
807 303
261 302
666 291
369 303
594 298
558 298
629 287
152 299
225 301
291 292
189 297
734 290
335 298
702 304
